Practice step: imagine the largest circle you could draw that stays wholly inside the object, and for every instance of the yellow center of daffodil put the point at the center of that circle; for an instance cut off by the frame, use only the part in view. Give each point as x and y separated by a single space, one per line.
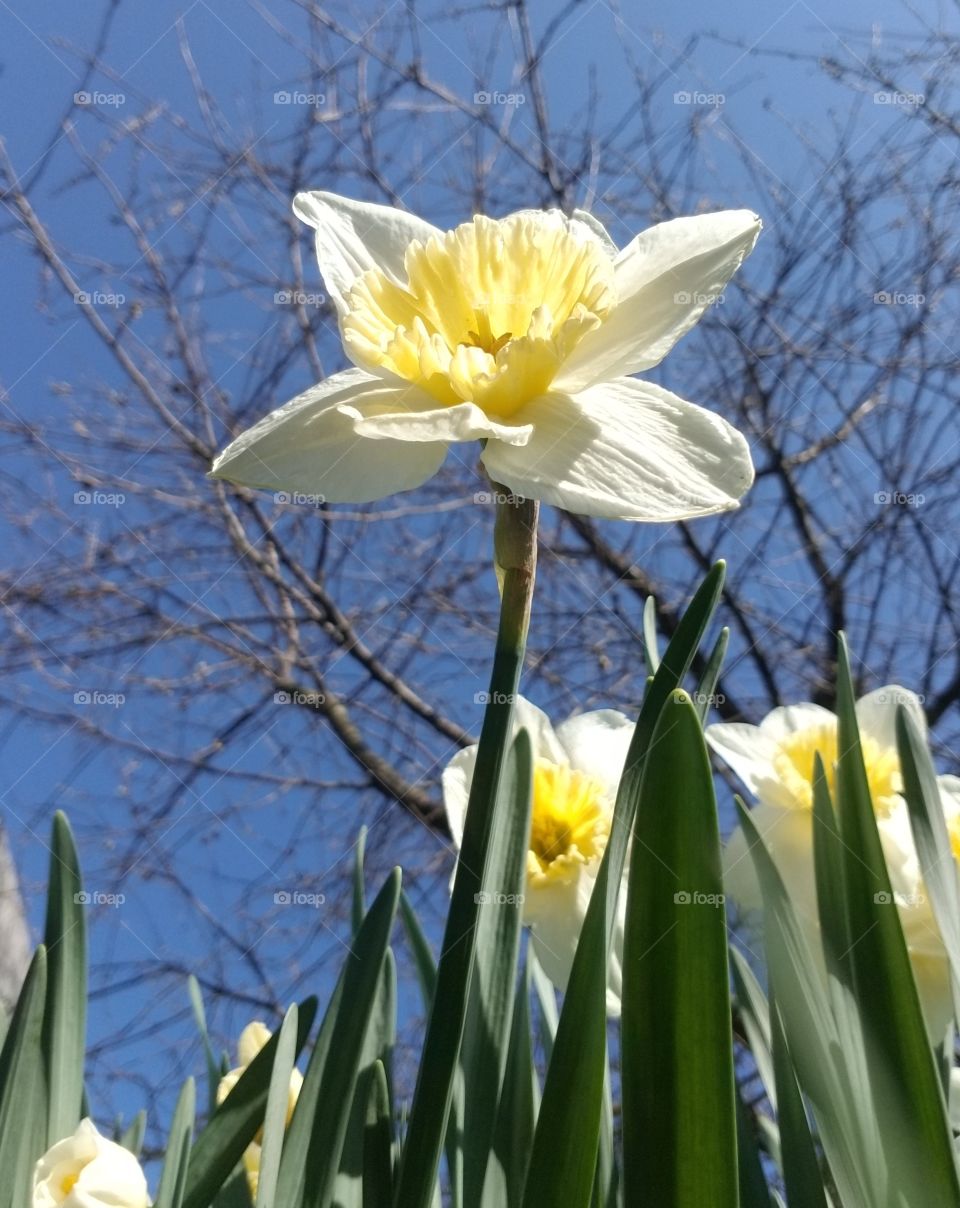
793 764
489 311
68 1183
570 820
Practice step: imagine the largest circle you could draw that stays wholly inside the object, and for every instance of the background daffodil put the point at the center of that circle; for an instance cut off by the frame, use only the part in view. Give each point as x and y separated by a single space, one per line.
775 762
519 332
88 1171
576 770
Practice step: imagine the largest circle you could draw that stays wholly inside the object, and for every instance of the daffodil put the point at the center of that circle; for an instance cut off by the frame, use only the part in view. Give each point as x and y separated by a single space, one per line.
775 762
518 332
577 769
252 1039
88 1171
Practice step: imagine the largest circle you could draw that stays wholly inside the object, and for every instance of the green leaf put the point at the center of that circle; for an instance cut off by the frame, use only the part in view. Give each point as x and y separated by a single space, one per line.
427 977
705 695
755 1018
802 1177
754 1192
497 798
23 1090
359 902
651 650
236 1122
361 982
907 1089
490 1004
516 1111
291 1182
64 1022
821 1062
679 1120
278 1104
566 1143
548 1017
173 1180
378 1143
931 839
214 1073
132 1136
378 1047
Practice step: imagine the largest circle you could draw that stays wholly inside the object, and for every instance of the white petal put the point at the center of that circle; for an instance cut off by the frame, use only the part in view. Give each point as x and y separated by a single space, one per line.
427 421
626 450
666 278
746 750
555 913
354 236
312 445
456 780
543 737
599 230
458 774
597 744
788 719
788 834
877 713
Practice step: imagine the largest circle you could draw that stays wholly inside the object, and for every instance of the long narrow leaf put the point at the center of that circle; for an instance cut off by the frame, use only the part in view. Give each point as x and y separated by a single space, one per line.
679 1121
23 1092
64 1021
173 1179
566 1143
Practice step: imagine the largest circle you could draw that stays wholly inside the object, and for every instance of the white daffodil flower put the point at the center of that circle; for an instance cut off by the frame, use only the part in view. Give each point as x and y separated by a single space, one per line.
576 771
252 1039
518 332
88 1171
775 762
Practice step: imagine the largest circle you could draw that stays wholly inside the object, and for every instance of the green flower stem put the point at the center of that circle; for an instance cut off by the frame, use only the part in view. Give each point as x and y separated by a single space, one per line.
515 549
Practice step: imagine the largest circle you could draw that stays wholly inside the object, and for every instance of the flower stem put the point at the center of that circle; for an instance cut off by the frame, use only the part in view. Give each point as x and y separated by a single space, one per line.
515 551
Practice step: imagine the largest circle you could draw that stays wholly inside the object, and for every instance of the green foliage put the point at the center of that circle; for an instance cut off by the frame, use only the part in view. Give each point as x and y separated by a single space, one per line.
520 1100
